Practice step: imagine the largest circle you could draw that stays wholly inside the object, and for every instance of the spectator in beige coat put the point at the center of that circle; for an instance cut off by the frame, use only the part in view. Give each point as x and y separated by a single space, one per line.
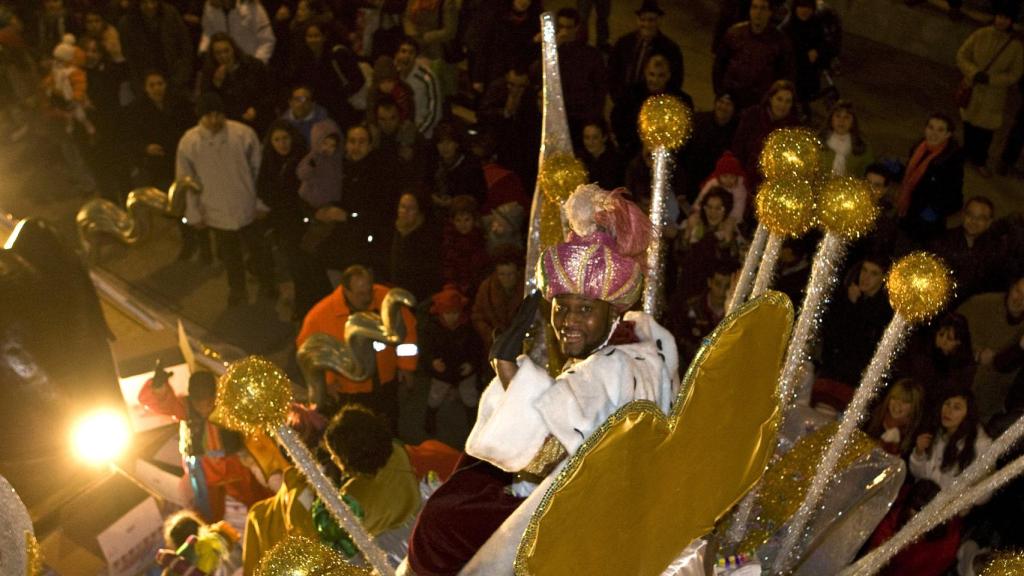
992 60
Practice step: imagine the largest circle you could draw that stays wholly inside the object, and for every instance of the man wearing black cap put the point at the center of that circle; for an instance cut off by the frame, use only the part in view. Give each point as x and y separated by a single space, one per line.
223 156
626 63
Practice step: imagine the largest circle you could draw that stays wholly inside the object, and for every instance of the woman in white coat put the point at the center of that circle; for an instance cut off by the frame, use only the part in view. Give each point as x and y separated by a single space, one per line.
947 447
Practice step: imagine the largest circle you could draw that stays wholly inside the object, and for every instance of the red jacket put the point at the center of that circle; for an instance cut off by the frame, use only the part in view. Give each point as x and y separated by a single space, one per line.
329 316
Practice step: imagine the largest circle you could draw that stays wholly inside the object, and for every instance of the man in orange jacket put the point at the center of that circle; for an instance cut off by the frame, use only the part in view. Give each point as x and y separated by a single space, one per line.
358 293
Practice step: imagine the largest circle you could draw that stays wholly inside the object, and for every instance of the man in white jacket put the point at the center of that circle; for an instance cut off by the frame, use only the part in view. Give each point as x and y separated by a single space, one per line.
529 422
223 156
245 21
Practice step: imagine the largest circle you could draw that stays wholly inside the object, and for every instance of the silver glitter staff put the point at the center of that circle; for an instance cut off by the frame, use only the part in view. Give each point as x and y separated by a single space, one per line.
746 279
665 125
253 396
555 140
846 210
958 504
919 286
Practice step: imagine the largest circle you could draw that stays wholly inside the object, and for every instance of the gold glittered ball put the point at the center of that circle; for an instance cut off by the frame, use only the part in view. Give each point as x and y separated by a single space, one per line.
1004 563
846 207
253 395
301 556
919 285
665 121
791 153
560 175
786 206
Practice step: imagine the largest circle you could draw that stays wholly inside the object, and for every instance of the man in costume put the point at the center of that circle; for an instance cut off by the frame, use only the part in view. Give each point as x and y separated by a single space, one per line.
529 422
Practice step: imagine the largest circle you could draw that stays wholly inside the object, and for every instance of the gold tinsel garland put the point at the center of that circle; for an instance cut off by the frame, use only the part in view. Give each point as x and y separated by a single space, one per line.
785 483
1004 563
301 556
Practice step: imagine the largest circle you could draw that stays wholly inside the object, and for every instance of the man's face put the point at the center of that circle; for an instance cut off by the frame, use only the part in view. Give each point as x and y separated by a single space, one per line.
516 83
148 7
936 132
91 48
315 39
213 121
463 222
718 287
565 30
581 324
93 24
223 53
508 275
408 210
203 406
656 75
781 104
760 15
593 140
647 25
870 279
1015 299
357 144
359 293
448 150
301 103
156 87
405 58
1002 23
977 219
724 109
877 183
387 119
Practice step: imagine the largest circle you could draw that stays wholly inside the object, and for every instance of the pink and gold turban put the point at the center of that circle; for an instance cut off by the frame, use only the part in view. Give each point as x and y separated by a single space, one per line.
601 257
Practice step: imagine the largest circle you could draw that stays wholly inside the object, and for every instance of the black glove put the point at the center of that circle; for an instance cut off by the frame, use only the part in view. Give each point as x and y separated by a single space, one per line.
981 78
160 376
509 344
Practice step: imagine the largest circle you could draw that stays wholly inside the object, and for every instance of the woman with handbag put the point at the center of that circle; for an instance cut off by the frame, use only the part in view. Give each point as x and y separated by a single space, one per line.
992 61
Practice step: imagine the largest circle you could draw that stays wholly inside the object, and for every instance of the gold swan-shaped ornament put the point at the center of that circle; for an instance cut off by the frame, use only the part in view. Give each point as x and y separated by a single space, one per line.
100 217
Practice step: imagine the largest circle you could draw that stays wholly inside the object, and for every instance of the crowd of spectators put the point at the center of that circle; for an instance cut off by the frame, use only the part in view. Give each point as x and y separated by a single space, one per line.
395 143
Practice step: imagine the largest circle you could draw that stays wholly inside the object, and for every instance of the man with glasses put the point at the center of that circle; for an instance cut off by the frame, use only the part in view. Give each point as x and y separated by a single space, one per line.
626 63
303 112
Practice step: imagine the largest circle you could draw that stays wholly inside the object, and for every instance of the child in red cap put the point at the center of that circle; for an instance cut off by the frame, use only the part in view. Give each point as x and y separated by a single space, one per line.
451 349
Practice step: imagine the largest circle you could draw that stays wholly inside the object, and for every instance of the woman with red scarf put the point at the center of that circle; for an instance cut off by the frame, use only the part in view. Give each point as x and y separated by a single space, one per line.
932 187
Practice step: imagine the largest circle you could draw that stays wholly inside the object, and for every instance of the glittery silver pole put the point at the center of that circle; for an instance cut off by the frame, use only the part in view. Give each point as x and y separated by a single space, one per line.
746 279
332 500
654 284
928 518
823 277
766 272
554 139
895 333
982 465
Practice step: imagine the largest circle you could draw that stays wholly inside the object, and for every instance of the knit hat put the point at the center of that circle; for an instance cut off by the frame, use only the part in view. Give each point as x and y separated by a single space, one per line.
449 299
209 102
384 69
65 51
600 259
728 163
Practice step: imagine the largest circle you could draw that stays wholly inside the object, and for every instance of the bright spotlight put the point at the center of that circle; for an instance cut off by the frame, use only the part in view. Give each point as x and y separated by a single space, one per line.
100 437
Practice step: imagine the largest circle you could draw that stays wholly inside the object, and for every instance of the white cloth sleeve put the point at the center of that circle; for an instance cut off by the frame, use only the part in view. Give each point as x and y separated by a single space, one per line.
509 429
